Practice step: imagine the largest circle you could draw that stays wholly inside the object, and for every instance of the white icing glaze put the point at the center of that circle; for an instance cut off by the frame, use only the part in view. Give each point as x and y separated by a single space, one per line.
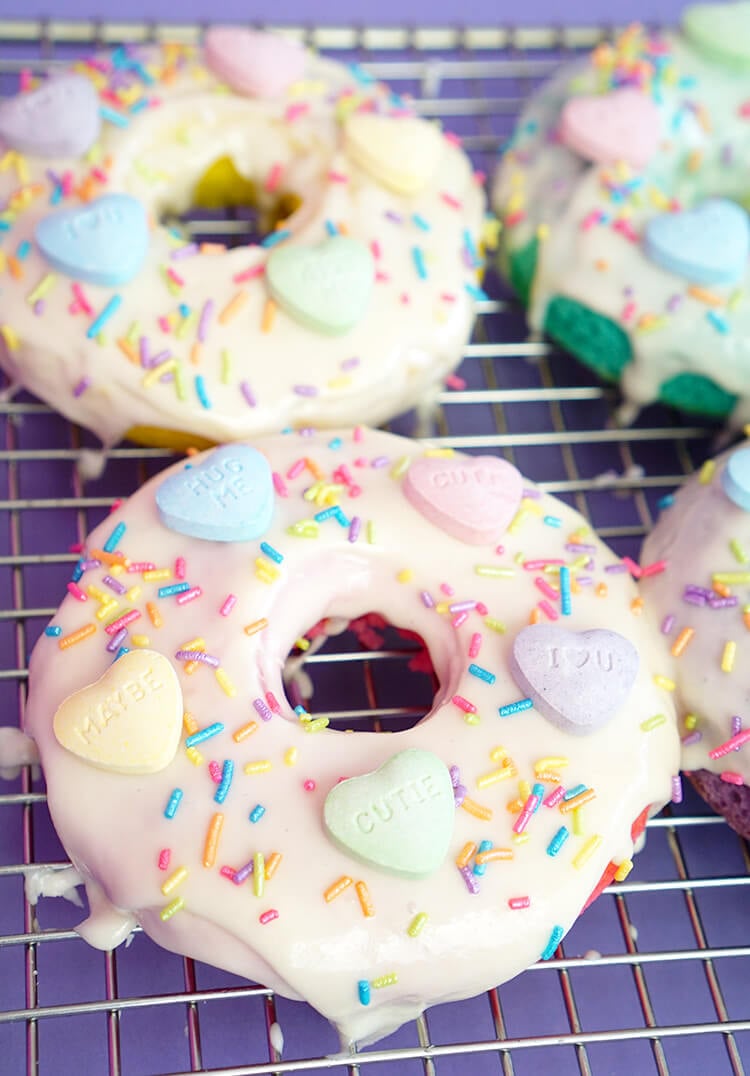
52 882
693 535
16 750
410 337
114 827
542 184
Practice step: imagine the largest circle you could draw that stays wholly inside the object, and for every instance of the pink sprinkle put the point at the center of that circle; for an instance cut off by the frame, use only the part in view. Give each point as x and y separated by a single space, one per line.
459 619
98 174
448 296
455 382
447 589
229 603
730 745
274 177
273 702
375 248
269 916
189 595
404 298
555 796
175 277
309 785
744 109
628 311
464 704
632 567
295 111
77 593
544 605
482 609
249 274
279 486
732 778
546 589
228 872
82 300
480 177
534 565
77 547
67 189
164 857
475 645
591 219
667 624
24 79
297 468
654 569
338 177
179 568
452 138
138 566
215 771
164 324
524 817
122 622
450 200
359 434
519 902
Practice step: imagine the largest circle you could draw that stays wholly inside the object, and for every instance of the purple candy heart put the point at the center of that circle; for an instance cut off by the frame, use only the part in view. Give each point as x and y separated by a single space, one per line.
577 680
60 119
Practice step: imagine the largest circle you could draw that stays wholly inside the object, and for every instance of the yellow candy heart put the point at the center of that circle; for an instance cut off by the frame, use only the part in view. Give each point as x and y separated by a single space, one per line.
401 152
130 720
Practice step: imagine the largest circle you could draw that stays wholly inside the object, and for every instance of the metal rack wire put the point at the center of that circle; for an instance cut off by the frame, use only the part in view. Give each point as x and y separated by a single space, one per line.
653 977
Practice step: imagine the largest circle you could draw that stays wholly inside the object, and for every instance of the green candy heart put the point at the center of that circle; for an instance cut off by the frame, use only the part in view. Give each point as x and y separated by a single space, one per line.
721 32
325 287
399 818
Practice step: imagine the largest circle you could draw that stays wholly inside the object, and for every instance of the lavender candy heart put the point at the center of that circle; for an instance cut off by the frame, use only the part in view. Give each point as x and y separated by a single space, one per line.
60 119
577 680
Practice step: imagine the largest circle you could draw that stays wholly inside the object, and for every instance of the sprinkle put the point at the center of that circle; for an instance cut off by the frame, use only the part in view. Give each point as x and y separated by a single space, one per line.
665 683
363 990
682 641
554 940
53 631
337 888
418 257
189 595
466 854
259 874
122 622
728 656
213 836
464 704
227 773
384 980
171 909
476 809
174 802
263 709
204 734
515 707
676 788
67 641
233 307
154 615
585 854
577 801
269 316
99 322
176 878
652 723
732 778
164 857
565 590
261 766
623 870
222 678
492 855
268 917
365 901
730 745
271 552
558 841
245 731
256 626
482 674
417 924
494 776
516 903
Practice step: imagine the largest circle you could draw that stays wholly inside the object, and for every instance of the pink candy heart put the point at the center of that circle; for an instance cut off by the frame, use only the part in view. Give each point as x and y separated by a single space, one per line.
619 126
253 63
472 498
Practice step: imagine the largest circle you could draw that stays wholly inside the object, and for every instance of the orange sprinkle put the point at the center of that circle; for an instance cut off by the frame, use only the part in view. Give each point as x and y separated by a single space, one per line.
189 723
246 730
212 248
722 590
212 839
365 901
578 801
495 854
464 856
195 353
16 269
256 626
636 606
476 809
272 864
76 636
269 316
681 642
108 558
129 351
601 265
549 776
313 468
154 615
601 590
746 619
233 307
337 888
535 616
703 295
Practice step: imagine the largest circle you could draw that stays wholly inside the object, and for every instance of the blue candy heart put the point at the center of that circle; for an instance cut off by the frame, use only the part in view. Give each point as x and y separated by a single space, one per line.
103 243
735 478
706 245
60 119
228 497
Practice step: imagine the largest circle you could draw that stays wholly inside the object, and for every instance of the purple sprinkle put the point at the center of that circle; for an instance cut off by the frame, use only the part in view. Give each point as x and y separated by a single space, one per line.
427 600
462 607
615 568
248 393
723 603
584 580
455 775
307 431
53 178
736 727
81 387
578 547
206 313
694 599
693 588
667 624
349 364
694 737
184 252
459 794
390 215
198 655
673 303
114 642
39 307
143 349
677 789
354 528
472 883
114 584
243 873
87 565
263 709
380 461
628 292
727 153
531 494
305 390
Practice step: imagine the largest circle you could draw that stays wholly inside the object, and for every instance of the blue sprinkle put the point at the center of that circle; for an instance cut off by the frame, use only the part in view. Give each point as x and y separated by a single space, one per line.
476 293
553 521
122 652
173 588
227 773
470 246
142 73
114 539
56 196
138 106
5 225
335 443
201 392
111 116
515 707
53 630
482 674
418 255
174 802
257 812
573 792
324 514
99 322
78 570
538 791
331 228
481 868
665 501
204 734
364 992
364 78
23 250
274 238
420 222
184 310
565 602
718 321
558 841
554 940
341 517
300 711
271 552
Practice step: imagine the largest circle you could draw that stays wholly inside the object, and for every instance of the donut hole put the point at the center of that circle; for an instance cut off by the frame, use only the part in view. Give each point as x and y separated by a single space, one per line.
372 676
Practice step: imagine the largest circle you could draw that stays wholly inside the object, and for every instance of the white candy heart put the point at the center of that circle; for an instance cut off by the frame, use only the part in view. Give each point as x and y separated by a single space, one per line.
401 152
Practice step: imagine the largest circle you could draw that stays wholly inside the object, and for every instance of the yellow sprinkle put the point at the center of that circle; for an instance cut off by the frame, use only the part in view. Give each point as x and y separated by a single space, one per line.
440 453
11 338
43 287
542 232
140 640
691 722
405 575
153 376
494 776
233 307
225 683
256 626
341 382
259 874
169 911
494 625
728 656
493 572
290 756
156 575
365 901
107 609
302 644
524 790
552 762
194 755
706 472
587 851
497 754
261 766
337 888
739 553
577 823
272 864
176 878
384 980
652 723
400 467
477 810
316 724
417 924
521 838
370 530
623 870
245 731
665 682
731 577
269 316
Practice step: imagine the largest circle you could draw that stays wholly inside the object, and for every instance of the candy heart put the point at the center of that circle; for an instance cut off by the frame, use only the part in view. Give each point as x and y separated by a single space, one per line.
735 478
104 242
60 119
721 31
706 245
401 152
619 126
472 498
399 818
325 287
228 497
577 680
253 63
130 720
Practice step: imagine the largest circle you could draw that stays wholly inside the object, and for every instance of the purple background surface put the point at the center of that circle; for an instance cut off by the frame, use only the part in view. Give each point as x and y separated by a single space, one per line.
362 12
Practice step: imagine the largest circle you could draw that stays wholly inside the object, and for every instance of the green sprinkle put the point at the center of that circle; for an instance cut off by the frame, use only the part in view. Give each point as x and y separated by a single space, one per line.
652 722
417 924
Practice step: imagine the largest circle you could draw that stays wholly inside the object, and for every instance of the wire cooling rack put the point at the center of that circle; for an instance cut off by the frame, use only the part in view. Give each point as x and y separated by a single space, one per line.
653 978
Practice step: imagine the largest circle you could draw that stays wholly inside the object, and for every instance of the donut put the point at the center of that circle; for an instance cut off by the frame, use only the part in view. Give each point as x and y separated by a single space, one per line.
696 586
622 195
355 305
349 868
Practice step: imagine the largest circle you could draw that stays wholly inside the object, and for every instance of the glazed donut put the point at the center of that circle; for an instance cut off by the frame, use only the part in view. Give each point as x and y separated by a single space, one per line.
700 600
620 195
472 840
355 305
